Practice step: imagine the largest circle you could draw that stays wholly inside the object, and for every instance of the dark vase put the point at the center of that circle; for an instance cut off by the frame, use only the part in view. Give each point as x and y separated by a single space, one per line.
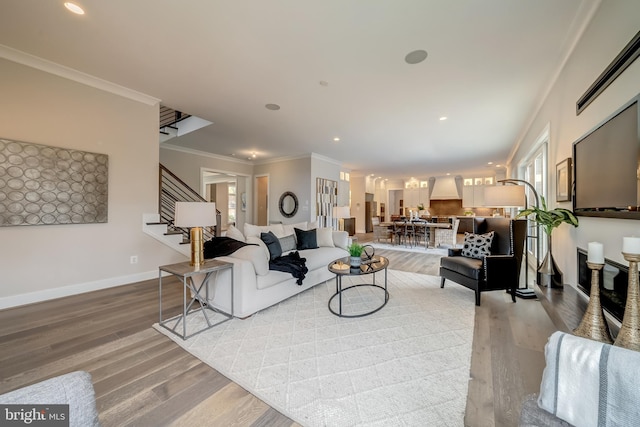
549 275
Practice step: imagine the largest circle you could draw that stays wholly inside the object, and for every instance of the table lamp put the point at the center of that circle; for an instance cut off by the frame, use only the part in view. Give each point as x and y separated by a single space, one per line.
195 215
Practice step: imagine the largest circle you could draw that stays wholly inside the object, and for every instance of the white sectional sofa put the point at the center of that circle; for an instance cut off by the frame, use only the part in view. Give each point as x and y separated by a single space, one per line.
255 286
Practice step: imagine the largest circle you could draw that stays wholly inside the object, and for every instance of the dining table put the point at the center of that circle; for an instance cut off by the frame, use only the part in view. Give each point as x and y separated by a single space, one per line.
428 243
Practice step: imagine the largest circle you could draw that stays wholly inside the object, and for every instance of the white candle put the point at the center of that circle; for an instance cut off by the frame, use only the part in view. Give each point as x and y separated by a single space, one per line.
631 245
596 253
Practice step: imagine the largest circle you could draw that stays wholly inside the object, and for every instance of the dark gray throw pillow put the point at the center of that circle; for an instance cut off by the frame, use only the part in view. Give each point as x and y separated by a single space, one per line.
477 245
306 239
273 244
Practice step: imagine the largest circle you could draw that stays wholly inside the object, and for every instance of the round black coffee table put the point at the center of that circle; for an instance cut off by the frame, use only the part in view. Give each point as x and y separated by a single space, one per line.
341 268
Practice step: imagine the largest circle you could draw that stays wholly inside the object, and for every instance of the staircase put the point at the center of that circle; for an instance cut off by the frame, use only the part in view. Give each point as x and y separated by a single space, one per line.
175 123
161 225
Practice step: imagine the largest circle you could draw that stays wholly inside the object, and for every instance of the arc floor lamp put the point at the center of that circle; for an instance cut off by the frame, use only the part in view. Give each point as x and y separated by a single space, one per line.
514 197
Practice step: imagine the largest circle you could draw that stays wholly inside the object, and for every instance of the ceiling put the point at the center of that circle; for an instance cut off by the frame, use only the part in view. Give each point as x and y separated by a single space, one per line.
335 67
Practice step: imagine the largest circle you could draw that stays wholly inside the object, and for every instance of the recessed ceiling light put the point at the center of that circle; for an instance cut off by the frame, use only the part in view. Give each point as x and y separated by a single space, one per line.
336 139
415 57
489 163
74 8
448 173
443 118
498 166
272 107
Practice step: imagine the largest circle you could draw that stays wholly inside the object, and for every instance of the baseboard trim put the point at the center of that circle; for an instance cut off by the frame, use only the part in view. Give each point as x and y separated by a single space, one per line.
80 288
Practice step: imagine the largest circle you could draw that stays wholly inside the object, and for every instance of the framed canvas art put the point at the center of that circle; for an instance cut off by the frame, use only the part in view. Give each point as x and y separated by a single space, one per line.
563 180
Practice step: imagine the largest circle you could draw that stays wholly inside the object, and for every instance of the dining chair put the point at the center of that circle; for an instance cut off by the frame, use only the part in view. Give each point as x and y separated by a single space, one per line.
421 233
398 232
447 237
409 233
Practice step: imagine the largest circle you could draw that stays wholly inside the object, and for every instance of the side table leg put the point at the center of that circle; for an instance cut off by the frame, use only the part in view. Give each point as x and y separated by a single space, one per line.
184 308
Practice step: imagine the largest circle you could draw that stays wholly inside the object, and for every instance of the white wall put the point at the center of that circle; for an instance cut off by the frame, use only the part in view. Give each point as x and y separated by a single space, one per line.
357 202
188 166
48 261
613 26
289 175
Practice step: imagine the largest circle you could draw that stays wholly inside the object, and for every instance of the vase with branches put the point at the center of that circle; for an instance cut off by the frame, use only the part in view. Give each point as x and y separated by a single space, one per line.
549 274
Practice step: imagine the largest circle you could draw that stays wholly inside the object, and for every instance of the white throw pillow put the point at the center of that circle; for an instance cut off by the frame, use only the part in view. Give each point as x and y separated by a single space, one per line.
251 230
340 239
234 233
324 237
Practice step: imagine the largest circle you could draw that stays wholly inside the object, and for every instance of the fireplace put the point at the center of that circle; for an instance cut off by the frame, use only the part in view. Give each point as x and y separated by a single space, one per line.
613 284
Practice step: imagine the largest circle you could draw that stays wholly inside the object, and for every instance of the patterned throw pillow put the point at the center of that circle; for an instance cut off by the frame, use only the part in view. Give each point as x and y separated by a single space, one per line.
288 243
477 245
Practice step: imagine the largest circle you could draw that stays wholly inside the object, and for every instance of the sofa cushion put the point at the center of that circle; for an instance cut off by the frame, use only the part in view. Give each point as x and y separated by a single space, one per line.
470 267
289 229
257 255
322 257
251 230
477 245
306 239
340 239
234 233
273 244
288 243
324 237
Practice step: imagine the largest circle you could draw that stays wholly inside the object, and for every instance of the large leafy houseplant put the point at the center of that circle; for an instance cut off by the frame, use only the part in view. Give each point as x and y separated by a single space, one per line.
548 273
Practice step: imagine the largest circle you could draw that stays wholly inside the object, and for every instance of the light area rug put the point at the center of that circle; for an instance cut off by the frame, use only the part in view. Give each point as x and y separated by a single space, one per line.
417 249
405 365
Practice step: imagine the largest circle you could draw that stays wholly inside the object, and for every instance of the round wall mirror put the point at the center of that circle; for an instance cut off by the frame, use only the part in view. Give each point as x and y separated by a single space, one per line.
288 204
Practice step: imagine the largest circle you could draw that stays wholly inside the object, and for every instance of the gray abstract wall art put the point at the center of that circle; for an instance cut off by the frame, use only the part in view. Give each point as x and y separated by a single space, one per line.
43 185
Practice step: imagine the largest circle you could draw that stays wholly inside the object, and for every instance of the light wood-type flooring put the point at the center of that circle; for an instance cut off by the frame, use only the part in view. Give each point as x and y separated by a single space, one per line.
142 378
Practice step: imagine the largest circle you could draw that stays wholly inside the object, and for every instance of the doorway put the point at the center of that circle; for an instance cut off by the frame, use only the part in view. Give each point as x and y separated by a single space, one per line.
262 200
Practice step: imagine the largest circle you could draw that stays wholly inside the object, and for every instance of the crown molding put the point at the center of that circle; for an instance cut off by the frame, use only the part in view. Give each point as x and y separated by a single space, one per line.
168 146
50 67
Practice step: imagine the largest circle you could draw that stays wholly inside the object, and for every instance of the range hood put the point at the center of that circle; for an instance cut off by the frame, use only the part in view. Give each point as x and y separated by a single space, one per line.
446 188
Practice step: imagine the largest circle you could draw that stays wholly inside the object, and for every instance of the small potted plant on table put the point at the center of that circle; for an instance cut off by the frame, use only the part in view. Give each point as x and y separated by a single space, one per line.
355 251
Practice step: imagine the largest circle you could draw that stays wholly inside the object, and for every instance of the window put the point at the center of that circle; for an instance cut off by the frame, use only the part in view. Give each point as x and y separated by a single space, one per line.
534 170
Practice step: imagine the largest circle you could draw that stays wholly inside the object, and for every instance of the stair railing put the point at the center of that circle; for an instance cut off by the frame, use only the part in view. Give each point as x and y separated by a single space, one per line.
171 190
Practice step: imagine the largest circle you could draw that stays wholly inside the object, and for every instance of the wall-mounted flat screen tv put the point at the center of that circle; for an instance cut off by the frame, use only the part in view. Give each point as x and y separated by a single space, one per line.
606 167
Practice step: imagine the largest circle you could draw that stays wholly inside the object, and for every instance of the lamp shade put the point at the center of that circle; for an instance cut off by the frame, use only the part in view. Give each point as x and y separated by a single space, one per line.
504 196
341 212
195 214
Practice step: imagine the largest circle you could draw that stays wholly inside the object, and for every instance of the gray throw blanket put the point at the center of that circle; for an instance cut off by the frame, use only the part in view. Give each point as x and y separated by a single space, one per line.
589 383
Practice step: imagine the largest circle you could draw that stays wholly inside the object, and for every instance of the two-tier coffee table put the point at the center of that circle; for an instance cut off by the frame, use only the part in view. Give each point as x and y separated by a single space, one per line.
341 268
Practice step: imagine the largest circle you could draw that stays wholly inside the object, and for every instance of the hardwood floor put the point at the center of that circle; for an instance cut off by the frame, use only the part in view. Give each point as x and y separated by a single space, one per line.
142 378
